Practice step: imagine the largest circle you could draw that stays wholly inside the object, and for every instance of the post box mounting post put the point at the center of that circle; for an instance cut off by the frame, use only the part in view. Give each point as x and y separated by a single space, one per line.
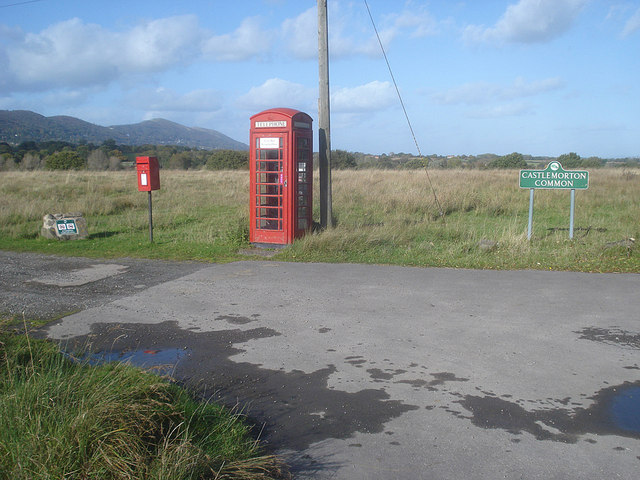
148 171
150 219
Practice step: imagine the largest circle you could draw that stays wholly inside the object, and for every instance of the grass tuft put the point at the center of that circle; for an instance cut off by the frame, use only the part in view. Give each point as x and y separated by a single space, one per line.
64 419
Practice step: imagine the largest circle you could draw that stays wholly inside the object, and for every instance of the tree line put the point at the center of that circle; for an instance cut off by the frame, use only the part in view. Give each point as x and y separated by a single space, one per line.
58 155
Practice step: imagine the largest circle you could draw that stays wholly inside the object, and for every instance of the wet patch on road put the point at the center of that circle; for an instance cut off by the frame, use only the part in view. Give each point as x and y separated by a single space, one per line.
440 378
611 336
292 410
615 411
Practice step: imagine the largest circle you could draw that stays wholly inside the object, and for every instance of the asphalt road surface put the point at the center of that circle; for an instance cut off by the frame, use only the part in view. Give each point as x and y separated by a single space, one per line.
373 372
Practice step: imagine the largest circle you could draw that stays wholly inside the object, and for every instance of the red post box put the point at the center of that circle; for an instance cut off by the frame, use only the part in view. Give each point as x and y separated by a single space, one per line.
148 174
281 169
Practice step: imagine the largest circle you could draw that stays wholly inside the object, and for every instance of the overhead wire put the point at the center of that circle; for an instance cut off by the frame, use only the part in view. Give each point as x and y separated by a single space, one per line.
406 115
20 3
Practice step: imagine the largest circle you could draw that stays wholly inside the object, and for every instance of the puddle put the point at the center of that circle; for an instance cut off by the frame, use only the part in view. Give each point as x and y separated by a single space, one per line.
625 409
614 411
159 360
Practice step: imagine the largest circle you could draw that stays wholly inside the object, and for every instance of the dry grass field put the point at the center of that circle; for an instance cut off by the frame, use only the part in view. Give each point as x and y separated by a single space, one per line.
382 216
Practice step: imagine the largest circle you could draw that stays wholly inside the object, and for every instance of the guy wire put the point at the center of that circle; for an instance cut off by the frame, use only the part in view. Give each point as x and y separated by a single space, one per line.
406 115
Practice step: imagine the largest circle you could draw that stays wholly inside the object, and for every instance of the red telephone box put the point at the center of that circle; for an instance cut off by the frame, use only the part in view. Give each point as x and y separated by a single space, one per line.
281 166
148 174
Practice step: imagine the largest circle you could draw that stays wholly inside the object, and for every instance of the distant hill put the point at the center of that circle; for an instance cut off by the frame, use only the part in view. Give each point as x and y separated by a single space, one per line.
17 126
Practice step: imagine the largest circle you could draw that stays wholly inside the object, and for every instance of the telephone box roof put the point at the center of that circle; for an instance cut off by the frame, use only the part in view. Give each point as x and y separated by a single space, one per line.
287 112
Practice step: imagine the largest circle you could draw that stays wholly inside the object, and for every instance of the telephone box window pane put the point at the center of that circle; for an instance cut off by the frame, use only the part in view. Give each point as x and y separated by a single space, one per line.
302 212
269 212
268 177
303 224
274 154
269 224
270 166
302 177
269 201
302 166
302 200
270 190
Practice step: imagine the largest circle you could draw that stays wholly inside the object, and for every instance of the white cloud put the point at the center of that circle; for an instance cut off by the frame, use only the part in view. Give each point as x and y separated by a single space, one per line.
364 98
510 109
73 53
482 92
67 53
416 23
529 21
350 34
166 100
301 34
158 44
247 41
632 25
277 92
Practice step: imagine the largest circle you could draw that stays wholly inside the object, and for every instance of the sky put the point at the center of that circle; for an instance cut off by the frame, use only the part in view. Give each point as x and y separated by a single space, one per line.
539 77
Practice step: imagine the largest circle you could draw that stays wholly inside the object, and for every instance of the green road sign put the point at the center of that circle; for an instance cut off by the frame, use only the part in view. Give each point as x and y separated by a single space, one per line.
554 176
66 227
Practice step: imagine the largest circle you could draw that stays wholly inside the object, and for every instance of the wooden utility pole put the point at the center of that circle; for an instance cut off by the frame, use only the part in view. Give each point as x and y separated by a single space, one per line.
324 127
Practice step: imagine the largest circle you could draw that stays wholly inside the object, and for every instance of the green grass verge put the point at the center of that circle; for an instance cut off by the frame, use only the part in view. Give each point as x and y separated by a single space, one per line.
62 419
384 217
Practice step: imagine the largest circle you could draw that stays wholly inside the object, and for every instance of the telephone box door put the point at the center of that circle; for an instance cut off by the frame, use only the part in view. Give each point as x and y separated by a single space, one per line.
303 181
271 183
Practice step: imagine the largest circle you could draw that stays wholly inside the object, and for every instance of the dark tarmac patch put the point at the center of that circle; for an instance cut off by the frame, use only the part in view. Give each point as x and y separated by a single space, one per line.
291 410
611 336
442 377
378 375
615 411
237 319
19 295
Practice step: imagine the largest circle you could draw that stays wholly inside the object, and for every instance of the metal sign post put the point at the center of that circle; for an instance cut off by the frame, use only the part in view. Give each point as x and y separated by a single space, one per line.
572 209
554 177
530 215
